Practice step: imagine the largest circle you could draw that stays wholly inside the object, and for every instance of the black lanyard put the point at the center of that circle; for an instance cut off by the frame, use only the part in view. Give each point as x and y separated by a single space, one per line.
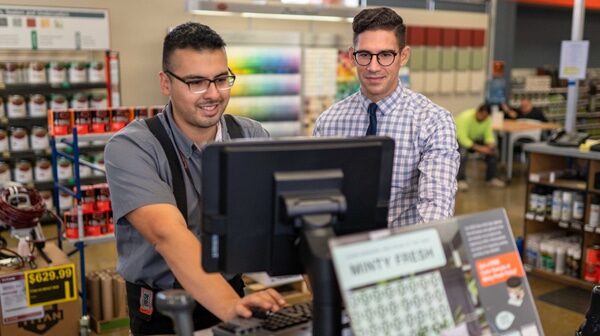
184 160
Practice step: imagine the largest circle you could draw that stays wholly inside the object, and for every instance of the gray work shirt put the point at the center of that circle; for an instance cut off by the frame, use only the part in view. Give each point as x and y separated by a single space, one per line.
138 174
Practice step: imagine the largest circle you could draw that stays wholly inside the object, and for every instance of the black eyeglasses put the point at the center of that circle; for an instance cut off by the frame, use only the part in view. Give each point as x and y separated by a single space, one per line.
201 85
384 58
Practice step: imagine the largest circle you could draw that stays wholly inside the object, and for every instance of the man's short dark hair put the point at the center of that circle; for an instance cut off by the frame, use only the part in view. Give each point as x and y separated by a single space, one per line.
485 107
379 18
190 35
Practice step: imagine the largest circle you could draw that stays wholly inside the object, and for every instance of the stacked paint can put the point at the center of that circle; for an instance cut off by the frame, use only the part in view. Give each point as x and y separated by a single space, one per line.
96 213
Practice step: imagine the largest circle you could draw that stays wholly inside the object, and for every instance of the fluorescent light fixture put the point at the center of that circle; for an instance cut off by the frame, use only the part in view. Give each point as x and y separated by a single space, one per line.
294 17
212 12
273 10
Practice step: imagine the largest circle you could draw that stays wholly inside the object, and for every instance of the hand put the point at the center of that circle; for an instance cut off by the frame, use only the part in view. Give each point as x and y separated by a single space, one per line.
489 150
268 299
510 113
486 150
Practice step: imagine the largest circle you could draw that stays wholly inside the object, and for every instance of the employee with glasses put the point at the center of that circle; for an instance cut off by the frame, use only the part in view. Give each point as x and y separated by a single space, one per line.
426 155
153 170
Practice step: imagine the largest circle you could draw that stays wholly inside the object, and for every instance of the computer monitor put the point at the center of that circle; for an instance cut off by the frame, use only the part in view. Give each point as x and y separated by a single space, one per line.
271 205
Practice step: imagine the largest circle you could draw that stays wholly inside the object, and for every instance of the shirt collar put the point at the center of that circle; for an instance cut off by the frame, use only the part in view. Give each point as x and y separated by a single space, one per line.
386 104
219 135
186 145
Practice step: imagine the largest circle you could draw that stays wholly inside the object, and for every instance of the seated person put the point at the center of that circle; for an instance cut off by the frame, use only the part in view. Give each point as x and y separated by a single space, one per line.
474 132
526 110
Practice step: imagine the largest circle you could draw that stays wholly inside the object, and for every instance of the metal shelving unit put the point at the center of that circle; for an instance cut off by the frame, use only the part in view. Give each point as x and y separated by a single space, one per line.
80 243
24 89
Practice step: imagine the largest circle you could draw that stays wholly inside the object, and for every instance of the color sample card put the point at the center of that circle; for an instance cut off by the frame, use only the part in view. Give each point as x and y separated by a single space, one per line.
413 306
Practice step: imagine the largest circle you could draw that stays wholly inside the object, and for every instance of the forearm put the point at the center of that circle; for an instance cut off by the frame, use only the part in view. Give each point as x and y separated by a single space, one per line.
163 226
437 185
438 169
182 253
436 195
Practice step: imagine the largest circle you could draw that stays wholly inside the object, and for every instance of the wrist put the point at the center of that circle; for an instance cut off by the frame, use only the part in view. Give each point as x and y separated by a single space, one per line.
230 311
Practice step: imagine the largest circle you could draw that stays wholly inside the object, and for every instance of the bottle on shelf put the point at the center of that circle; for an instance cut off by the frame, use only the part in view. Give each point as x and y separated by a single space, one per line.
556 205
567 206
594 217
533 199
578 206
591 325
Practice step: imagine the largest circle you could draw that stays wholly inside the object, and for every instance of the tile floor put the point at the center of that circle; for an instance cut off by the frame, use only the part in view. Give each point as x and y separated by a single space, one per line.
555 320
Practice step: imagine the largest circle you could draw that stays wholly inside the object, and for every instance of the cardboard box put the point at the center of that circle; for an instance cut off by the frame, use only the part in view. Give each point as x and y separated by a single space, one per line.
101 327
294 292
61 319
116 299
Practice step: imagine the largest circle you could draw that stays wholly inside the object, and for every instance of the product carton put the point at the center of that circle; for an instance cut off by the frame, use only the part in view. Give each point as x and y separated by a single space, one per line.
58 319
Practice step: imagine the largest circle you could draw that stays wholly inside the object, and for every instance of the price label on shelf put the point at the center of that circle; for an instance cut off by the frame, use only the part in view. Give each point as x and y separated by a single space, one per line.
51 285
564 225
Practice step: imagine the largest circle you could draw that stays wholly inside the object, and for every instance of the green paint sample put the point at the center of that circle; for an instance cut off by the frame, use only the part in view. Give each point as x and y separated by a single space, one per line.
463 59
477 59
448 59
417 59
433 57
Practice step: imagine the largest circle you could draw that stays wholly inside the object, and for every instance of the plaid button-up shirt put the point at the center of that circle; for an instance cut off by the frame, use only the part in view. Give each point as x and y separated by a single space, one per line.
426 156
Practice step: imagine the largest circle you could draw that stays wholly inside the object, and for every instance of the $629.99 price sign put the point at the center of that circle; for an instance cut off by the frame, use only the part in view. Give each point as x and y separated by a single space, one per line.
50 285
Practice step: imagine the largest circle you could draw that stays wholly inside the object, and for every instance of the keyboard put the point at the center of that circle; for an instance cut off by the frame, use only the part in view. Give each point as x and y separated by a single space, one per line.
288 317
292 316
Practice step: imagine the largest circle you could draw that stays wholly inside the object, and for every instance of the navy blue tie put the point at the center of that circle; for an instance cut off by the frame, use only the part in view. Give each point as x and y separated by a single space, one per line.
372 111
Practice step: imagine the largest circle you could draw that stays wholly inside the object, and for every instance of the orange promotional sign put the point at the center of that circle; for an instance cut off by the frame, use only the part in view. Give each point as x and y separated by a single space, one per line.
498 269
589 4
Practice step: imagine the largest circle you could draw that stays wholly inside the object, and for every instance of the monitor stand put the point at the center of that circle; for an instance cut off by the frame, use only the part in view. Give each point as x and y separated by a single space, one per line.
315 233
312 202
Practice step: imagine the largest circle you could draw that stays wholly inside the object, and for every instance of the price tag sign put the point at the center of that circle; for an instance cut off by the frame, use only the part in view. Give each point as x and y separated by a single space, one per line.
50 285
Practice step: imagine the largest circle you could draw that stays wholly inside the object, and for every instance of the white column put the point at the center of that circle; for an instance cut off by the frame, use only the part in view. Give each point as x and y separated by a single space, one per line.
573 88
491 37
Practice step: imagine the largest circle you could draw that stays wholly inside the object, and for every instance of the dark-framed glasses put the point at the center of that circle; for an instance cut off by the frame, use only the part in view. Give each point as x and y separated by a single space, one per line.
384 58
201 85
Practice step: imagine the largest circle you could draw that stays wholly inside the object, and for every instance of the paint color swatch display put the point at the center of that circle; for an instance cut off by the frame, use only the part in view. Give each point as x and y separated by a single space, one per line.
283 128
346 80
262 60
268 86
446 60
270 108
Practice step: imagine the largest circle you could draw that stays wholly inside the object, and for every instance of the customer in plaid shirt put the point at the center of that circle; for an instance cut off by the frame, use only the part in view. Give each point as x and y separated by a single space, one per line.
426 155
